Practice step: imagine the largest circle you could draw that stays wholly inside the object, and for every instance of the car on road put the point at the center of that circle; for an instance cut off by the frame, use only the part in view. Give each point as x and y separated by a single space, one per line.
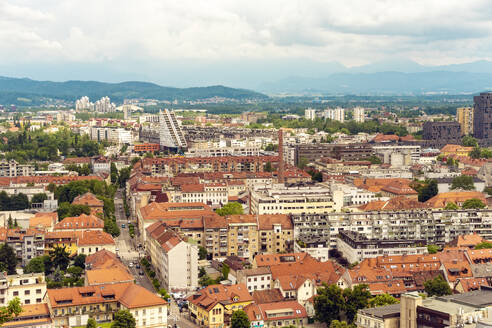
117 249
123 226
130 265
141 273
137 266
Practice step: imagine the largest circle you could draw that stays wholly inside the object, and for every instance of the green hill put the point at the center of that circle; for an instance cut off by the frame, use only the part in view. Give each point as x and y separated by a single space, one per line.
26 91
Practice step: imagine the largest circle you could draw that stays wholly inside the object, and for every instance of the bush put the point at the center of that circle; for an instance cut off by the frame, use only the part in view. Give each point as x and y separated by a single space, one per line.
144 262
156 283
152 274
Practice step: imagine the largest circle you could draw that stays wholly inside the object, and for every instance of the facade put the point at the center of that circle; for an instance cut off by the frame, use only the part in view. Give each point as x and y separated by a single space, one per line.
170 133
114 135
146 148
443 132
84 104
174 259
335 114
359 114
224 151
104 105
482 116
13 169
30 288
398 155
345 152
310 114
356 247
464 116
209 193
90 242
280 199
277 314
96 205
73 306
32 316
255 279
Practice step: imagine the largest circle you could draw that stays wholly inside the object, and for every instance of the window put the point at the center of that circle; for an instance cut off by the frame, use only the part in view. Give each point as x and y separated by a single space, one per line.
27 301
38 291
16 293
27 292
38 300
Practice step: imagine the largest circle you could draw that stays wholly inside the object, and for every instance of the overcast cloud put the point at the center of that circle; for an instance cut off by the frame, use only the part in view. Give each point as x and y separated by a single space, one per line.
152 39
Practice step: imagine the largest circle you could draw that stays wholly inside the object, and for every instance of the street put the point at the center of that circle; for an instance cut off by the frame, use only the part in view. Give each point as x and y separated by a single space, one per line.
127 250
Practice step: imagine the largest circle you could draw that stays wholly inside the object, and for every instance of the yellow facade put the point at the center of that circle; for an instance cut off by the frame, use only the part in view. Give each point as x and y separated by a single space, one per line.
70 247
214 318
464 116
242 240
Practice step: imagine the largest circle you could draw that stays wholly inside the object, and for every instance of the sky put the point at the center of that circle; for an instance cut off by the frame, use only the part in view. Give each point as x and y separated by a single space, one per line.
236 43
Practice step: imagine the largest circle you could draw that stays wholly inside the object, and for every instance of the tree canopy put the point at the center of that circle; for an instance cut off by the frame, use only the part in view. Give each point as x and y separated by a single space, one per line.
10 311
464 182
483 245
123 319
35 265
230 209
8 259
239 319
473 203
381 300
437 287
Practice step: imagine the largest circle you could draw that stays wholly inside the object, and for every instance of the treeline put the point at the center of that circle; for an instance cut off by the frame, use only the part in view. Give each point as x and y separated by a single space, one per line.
19 201
27 146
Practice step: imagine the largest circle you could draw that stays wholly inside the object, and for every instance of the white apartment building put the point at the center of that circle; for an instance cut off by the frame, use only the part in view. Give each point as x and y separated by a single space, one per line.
30 288
398 155
223 151
84 104
170 133
13 169
280 199
255 279
310 114
115 135
104 105
335 114
359 114
175 260
209 193
353 195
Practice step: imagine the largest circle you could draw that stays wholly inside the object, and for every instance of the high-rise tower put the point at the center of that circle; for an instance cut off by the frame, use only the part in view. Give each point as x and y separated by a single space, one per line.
170 133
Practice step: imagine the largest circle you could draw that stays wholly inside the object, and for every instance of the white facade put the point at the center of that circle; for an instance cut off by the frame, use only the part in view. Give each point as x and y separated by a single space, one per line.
84 104
104 105
152 316
29 288
170 133
255 279
310 114
359 114
335 114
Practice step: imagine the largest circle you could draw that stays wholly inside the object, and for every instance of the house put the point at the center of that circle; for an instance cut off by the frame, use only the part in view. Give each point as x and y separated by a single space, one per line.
89 199
103 267
31 316
175 260
73 306
82 222
213 306
297 287
277 314
90 242
30 288
44 221
255 279
455 150
59 238
457 197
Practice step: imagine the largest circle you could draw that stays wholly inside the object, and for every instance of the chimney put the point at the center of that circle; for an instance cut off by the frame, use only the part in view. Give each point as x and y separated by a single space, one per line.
280 175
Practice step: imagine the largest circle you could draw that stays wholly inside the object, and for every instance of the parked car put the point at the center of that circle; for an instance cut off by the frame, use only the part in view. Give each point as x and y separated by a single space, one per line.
123 226
141 273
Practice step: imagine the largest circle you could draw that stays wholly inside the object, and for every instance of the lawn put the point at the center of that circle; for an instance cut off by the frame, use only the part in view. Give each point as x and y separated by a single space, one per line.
102 325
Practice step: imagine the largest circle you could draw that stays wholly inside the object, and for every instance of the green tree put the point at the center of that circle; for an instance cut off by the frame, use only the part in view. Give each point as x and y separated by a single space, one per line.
8 260
355 299
79 261
230 209
91 323
483 245
240 319
164 294
13 309
428 190
225 271
268 167
202 272
463 182
10 222
75 271
66 209
303 162
60 257
202 253
473 203
39 198
451 206
469 141
329 304
123 177
374 159
341 324
476 152
35 265
437 287
432 249
381 300
123 319
114 173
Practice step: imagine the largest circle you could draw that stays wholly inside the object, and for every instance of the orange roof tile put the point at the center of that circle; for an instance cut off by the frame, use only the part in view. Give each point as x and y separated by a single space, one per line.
94 237
44 220
457 197
112 275
88 199
80 222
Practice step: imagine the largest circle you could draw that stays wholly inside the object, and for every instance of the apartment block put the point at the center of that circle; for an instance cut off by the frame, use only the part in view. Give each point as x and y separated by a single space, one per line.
30 288
13 169
242 236
170 133
464 116
255 279
482 117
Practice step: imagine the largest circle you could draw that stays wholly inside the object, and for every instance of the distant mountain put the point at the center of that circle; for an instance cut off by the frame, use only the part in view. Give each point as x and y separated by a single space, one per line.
385 83
26 91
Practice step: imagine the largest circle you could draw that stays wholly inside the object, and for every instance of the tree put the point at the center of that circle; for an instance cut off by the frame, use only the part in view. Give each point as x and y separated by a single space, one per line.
202 253
428 190
381 300
225 271
79 261
432 249
10 222
164 294
483 245
202 272
374 159
230 209
75 271
124 176
469 141
463 182
476 152
114 173
437 287
329 303
35 265
38 198
303 162
10 311
8 260
341 324
66 209
60 257
355 299
123 319
451 206
19 202
91 323
268 167
473 203
239 319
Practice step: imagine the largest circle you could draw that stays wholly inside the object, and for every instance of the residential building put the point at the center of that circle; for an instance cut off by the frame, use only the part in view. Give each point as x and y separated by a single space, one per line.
277 314
455 150
114 135
60 238
96 205
104 105
481 118
90 242
336 114
83 104
44 221
146 148
174 259
281 199
310 114
275 233
103 267
170 133
398 155
26 243
359 114
356 247
213 306
30 288
214 194
346 152
216 236
379 317
242 236
464 116
73 306
82 222
442 132
13 169
31 316
255 279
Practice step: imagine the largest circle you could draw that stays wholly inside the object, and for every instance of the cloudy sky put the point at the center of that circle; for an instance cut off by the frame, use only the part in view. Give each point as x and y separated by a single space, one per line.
193 42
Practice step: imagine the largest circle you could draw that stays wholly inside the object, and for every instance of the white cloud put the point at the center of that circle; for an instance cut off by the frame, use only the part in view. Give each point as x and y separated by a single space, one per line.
352 32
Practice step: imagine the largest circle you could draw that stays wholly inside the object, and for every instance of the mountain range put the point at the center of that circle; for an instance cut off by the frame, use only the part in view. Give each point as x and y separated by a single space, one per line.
24 91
